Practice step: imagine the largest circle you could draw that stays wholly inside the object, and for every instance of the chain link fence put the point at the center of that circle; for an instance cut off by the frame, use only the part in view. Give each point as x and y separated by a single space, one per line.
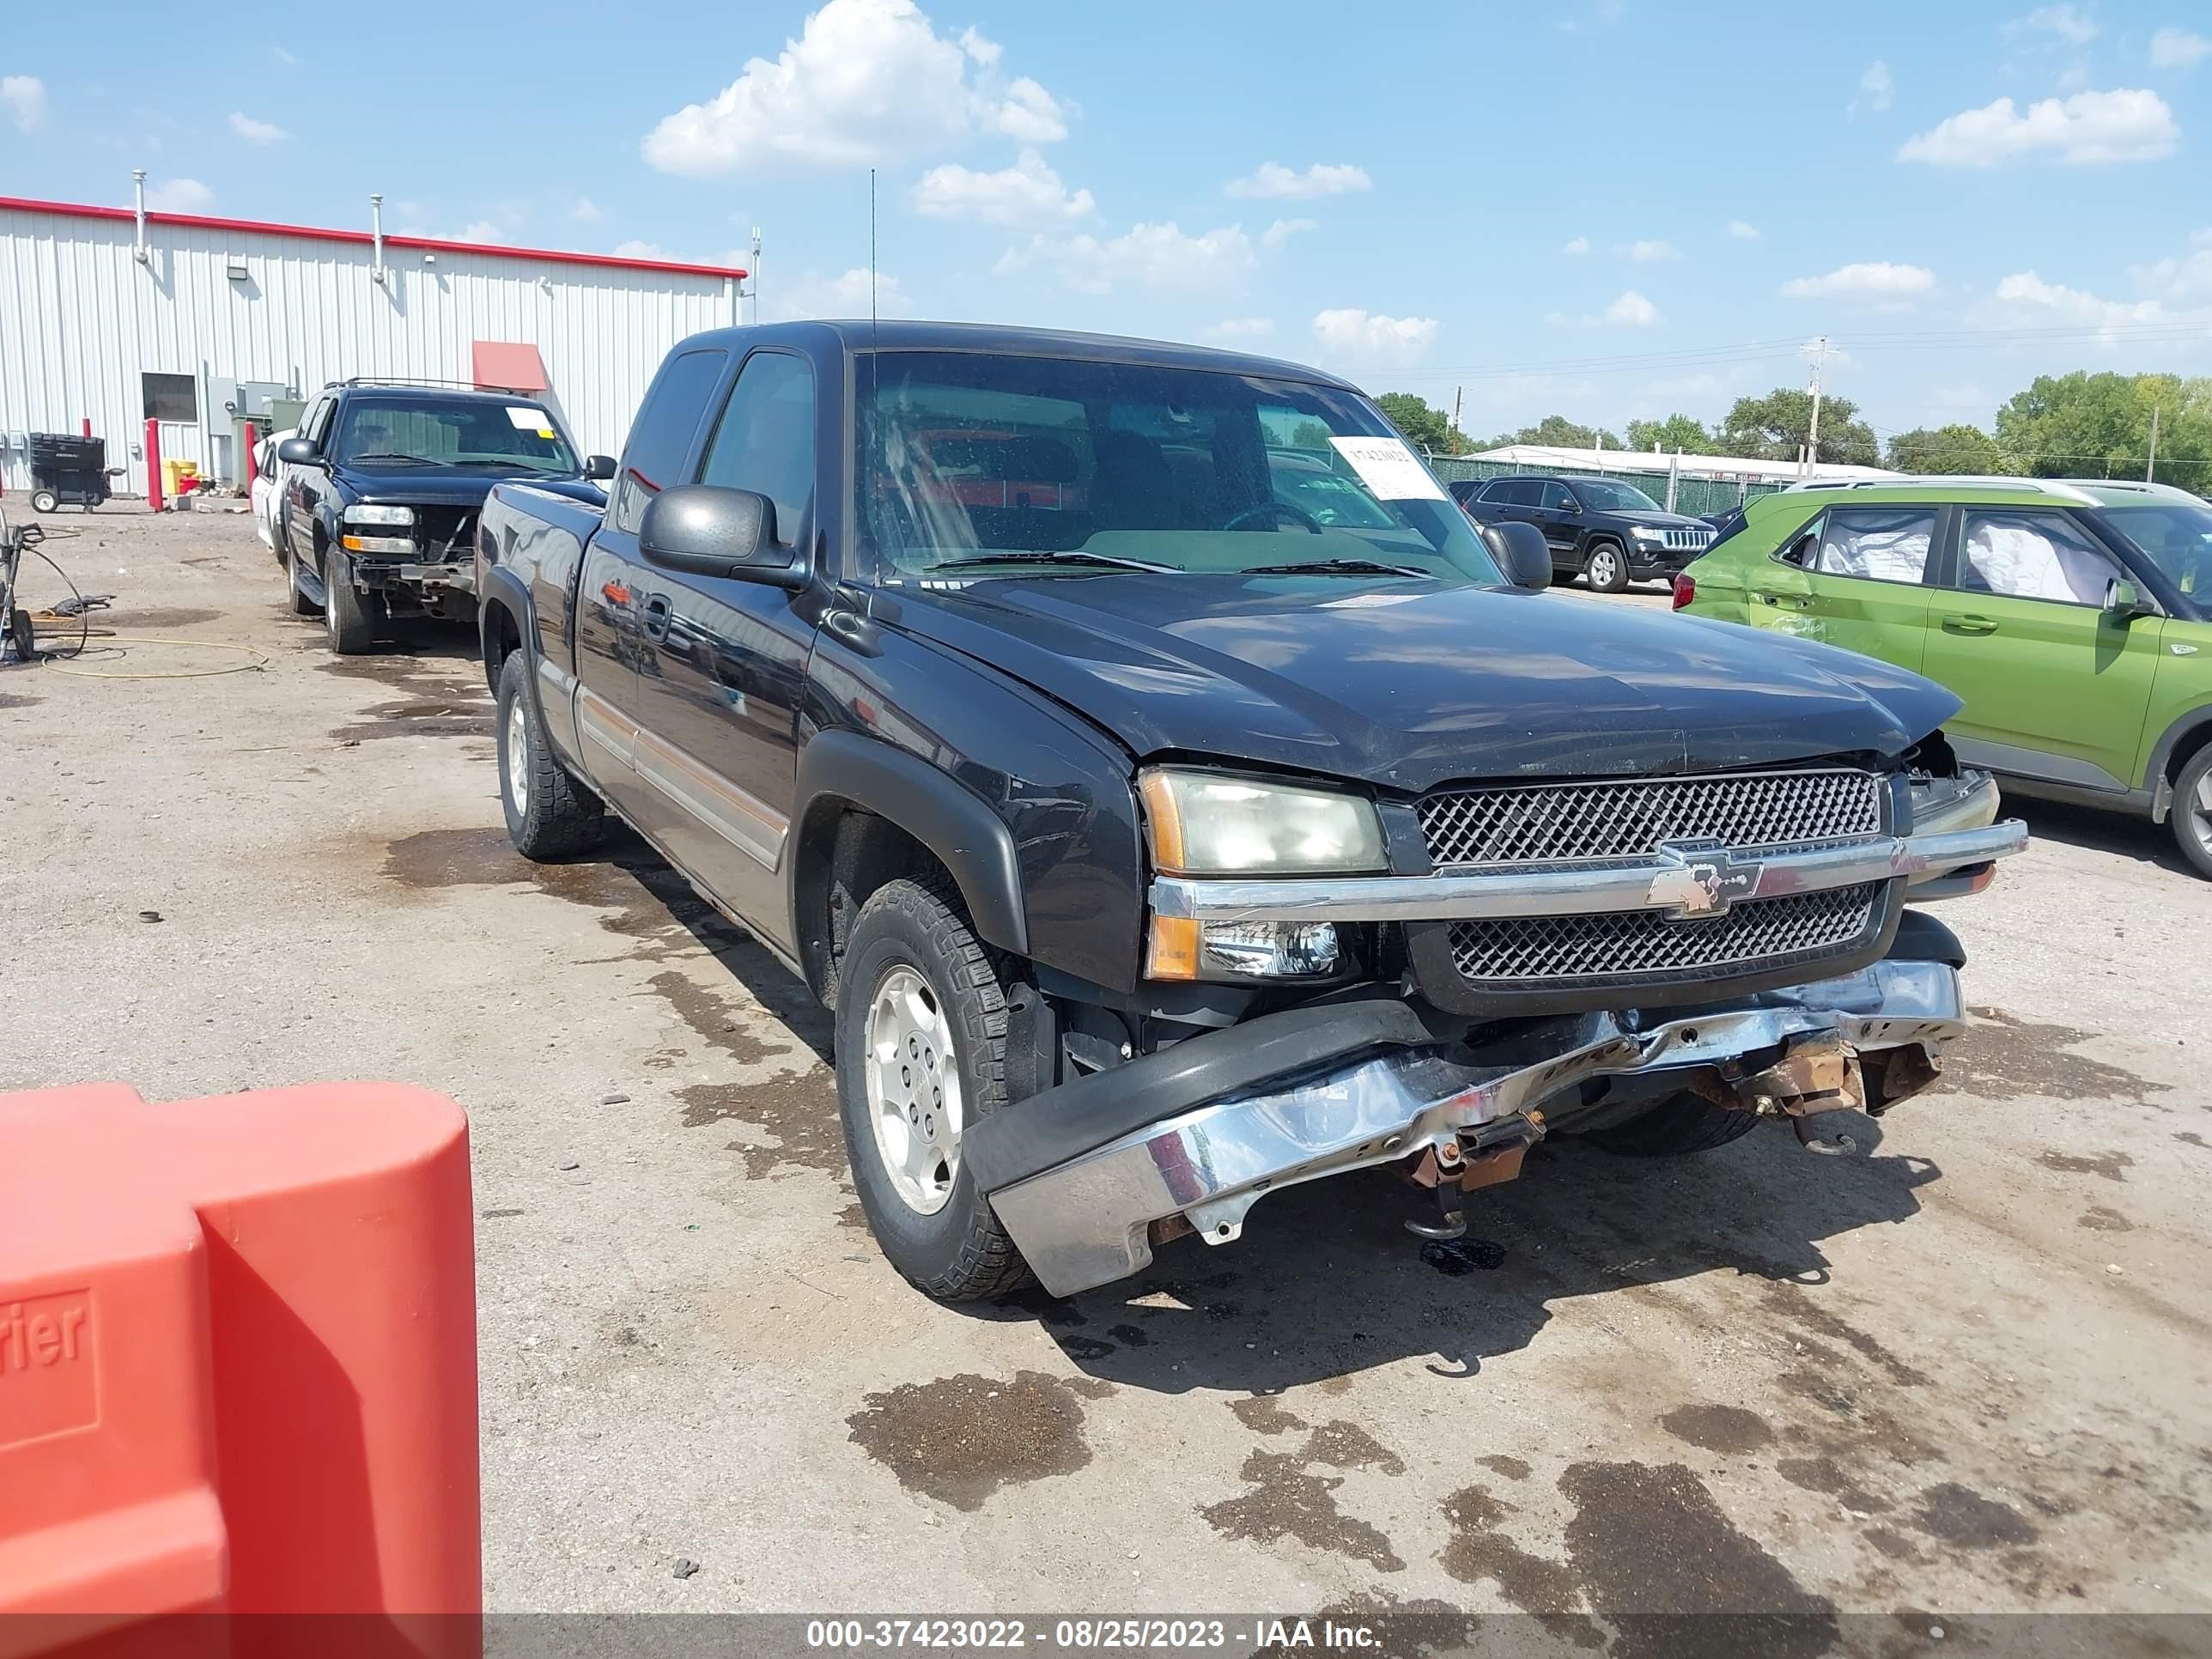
1695 496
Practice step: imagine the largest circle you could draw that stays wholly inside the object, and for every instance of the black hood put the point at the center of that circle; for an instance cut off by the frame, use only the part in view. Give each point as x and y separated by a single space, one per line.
1657 519
452 486
1408 685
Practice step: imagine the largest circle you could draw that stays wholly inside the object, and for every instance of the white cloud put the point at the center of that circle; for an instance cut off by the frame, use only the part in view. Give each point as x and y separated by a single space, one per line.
2026 295
587 211
1028 193
2178 48
1632 310
2188 277
1875 280
2060 23
256 132
1241 328
1577 248
1153 256
847 295
2090 127
179 195
1652 251
484 230
1282 230
284 58
1372 338
1742 231
1272 180
632 249
24 97
1877 86
865 81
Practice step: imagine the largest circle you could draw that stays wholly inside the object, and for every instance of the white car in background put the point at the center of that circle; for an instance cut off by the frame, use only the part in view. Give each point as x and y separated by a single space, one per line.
268 491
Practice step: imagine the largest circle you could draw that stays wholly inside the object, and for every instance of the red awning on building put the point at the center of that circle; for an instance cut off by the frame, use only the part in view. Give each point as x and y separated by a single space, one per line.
504 366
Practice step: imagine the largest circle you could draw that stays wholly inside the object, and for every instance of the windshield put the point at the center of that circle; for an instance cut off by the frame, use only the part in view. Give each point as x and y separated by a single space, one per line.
399 432
2176 537
1603 496
1018 459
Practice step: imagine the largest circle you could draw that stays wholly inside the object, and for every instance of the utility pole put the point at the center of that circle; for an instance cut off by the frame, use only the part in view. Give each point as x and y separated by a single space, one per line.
2150 472
1813 438
1459 392
755 283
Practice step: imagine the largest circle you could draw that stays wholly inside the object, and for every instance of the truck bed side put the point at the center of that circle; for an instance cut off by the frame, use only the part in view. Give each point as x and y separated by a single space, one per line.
530 558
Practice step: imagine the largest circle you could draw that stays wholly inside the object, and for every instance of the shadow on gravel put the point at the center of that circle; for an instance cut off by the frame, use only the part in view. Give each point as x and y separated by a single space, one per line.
1326 1282
2137 839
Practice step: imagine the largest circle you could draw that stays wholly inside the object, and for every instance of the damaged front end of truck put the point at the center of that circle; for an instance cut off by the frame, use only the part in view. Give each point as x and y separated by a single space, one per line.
1551 983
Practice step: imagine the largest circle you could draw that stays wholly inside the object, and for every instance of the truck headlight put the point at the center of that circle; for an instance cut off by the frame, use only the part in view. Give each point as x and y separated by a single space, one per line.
1205 824
366 513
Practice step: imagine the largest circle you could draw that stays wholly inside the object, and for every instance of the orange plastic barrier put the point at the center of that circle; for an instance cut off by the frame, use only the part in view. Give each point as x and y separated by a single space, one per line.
237 1356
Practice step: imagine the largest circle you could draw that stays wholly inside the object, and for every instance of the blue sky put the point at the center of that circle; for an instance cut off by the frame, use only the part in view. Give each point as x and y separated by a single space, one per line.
1604 207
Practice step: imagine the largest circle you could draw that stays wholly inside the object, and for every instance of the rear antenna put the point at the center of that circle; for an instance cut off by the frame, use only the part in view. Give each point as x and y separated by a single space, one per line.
872 247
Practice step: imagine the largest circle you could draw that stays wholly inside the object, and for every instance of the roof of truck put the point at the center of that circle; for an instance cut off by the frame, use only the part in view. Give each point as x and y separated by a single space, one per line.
904 335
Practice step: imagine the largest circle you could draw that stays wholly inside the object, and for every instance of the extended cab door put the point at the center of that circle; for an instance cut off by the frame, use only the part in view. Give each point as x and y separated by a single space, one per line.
613 653
304 486
719 709
2056 687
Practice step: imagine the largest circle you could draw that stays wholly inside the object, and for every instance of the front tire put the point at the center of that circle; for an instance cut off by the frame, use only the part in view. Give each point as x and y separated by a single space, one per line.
549 814
1605 568
2191 816
921 1040
44 501
1676 1126
345 612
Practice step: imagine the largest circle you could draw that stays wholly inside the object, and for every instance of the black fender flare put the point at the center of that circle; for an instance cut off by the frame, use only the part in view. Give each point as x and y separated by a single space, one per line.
503 586
953 821
2161 754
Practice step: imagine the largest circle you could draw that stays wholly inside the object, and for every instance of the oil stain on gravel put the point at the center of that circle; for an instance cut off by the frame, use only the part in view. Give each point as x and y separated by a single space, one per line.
799 1109
2099 1219
2002 1058
455 858
1727 1429
2107 1166
1478 1550
1289 1500
1824 1474
449 717
961 1438
1959 1514
1649 1544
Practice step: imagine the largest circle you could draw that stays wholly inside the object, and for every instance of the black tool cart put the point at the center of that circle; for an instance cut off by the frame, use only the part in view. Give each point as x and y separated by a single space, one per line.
67 468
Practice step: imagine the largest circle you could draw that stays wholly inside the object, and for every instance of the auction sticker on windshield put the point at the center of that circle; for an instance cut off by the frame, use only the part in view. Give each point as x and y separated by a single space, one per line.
1389 468
530 420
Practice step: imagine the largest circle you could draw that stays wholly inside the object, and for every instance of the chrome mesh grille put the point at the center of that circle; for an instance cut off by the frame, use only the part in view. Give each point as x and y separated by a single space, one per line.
1627 944
1576 822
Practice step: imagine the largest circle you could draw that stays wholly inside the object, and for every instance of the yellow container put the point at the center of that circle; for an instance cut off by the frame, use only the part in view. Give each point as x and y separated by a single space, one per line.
173 470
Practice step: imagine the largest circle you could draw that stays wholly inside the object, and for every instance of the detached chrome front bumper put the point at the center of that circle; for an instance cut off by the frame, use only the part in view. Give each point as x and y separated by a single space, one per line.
1090 1219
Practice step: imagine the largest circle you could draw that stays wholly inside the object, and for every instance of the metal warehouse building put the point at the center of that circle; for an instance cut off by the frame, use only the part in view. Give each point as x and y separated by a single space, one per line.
115 316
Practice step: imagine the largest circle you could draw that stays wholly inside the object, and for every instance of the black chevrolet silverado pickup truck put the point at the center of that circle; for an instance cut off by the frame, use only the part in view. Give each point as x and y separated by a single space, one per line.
1607 532
378 512
1158 844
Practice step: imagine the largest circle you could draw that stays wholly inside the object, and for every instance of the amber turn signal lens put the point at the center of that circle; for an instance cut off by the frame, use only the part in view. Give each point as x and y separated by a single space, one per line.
1173 953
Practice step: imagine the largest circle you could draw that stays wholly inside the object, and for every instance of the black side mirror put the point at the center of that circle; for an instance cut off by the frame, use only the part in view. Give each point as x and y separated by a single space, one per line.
598 468
709 531
1571 505
300 451
1521 553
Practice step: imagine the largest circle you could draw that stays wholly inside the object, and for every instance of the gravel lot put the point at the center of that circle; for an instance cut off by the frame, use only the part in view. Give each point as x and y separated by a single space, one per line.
1966 1372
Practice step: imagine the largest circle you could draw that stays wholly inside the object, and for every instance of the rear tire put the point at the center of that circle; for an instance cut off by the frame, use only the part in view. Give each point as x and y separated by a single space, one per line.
923 1208
44 501
1605 567
1676 1126
549 815
345 612
2191 815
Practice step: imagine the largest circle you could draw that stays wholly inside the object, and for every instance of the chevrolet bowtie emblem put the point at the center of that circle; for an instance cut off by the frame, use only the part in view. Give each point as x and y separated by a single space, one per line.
1700 880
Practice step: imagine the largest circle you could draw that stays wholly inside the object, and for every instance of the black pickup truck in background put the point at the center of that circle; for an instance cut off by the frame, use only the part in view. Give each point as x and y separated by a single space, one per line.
1607 533
1153 770
381 491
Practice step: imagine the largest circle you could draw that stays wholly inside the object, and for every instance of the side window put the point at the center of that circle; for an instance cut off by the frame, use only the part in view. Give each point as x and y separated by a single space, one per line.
1497 490
317 427
765 441
661 434
1883 545
1556 498
1520 492
2032 556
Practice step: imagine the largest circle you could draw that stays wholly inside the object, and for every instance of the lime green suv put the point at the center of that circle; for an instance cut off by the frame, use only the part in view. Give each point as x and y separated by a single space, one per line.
2074 619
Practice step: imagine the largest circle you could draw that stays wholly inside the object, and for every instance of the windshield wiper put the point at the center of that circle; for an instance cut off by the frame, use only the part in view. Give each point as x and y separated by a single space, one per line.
1075 557
519 466
1337 566
381 455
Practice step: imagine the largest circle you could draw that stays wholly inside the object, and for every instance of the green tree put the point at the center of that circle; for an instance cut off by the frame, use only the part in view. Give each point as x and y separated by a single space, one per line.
1557 432
1774 428
1424 426
2098 426
1676 432
1958 447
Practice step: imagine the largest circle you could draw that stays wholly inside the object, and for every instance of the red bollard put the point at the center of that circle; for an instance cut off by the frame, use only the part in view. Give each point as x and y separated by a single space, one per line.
238 1367
154 464
252 466
88 426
